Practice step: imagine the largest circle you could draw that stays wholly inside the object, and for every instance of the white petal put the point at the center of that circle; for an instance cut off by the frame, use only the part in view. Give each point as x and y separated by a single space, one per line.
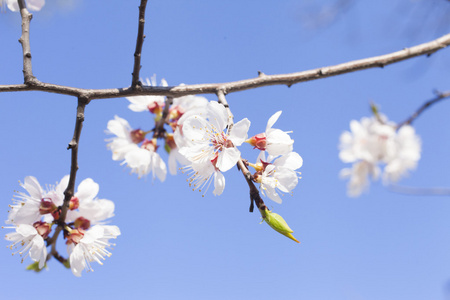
273 195
62 186
217 115
195 129
119 127
159 167
87 190
77 261
239 131
219 183
31 184
291 161
228 158
273 119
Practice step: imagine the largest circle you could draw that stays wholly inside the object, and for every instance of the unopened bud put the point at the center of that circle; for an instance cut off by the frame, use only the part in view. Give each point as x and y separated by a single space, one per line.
176 112
35 267
150 145
137 135
74 236
43 228
155 108
47 206
277 223
258 141
82 223
170 141
74 203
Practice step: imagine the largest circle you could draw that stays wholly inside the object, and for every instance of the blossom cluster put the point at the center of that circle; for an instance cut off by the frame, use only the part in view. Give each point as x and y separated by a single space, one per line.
205 141
373 142
35 213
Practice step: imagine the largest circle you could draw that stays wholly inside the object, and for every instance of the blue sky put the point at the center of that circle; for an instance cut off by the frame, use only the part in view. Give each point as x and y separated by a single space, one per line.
176 244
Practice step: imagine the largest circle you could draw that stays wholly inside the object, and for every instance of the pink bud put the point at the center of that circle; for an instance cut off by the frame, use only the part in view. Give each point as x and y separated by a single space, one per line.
82 223
150 145
137 136
47 206
42 228
74 203
258 141
155 108
74 236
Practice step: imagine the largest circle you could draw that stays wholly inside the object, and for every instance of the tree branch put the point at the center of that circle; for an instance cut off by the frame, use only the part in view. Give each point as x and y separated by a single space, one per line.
419 191
25 42
70 190
139 42
439 96
235 86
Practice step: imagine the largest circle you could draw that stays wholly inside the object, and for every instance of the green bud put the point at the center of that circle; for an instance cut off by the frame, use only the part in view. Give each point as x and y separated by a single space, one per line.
66 264
374 108
167 148
277 223
35 267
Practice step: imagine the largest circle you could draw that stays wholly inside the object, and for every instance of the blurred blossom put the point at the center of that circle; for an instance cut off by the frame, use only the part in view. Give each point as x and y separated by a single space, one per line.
373 142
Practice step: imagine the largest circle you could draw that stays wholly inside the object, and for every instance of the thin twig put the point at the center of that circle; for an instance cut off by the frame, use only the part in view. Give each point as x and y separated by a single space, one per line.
25 42
235 86
255 197
139 42
439 96
159 126
70 190
419 191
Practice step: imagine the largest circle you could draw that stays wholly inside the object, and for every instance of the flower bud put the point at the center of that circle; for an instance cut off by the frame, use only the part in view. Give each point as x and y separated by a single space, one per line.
82 223
258 141
150 145
47 206
35 267
43 228
155 108
277 223
175 112
74 203
170 141
137 135
74 236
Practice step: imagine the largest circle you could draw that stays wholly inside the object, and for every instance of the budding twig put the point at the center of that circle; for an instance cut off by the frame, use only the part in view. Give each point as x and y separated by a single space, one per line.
439 96
255 197
25 42
417 191
159 126
139 42
70 190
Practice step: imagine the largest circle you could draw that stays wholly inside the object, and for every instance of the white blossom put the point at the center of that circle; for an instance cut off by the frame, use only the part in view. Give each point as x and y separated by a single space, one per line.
142 160
122 143
374 141
29 242
210 142
358 176
209 148
405 155
280 175
92 247
89 207
274 141
25 209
